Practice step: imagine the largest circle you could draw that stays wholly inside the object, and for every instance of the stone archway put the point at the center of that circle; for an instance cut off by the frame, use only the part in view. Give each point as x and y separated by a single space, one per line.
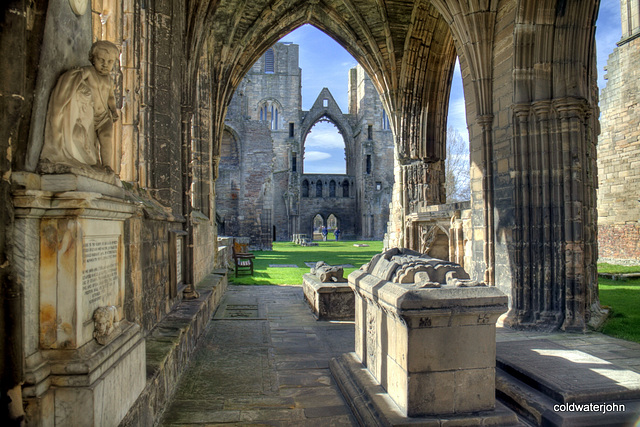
325 108
529 81
411 66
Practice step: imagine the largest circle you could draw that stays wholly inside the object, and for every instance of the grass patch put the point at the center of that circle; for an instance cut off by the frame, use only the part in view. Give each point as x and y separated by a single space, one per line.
623 298
331 252
603 267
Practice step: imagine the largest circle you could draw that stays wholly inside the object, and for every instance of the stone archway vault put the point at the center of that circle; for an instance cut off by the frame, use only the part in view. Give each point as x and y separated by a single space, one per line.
408 49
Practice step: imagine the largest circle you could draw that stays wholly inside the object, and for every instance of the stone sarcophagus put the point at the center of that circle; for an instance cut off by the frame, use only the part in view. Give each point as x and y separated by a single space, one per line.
426 333
328 293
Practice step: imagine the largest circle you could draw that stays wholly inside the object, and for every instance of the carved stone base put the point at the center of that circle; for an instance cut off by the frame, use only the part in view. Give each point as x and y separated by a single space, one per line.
328 301
372 405
95 384
431 348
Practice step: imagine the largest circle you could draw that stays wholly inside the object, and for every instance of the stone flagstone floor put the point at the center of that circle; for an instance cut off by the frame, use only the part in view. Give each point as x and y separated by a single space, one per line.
264 361
267 366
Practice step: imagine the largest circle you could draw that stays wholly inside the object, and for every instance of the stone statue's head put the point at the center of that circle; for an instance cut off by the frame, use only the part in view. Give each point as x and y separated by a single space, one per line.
103 55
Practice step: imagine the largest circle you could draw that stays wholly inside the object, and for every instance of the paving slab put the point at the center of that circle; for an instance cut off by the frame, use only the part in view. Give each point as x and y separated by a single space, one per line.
566 374
264 360
569 379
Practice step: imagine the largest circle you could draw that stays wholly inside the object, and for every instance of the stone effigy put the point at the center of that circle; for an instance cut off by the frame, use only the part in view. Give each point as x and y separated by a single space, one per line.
80 117
303 240
417 270
328 293
426 333
328 273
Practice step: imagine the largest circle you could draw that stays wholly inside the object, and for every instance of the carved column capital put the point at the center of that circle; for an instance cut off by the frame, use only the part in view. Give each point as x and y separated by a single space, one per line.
521 110
572 107
485 120
542 109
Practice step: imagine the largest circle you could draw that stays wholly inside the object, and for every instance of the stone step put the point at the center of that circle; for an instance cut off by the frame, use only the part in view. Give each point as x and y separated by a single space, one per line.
535 408
169 346
373 407
550 384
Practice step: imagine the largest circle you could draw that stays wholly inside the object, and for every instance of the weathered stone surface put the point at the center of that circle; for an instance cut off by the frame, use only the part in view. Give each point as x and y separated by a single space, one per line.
268 370
169 347
262 178
619 148
432 348
328 301
531 112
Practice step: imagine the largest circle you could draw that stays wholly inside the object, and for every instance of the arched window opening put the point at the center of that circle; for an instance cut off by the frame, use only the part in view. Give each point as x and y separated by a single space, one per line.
269 111
318 225
332 222
319 188
332 188
305 188
385 121
269 62
345 188
457 162
324 150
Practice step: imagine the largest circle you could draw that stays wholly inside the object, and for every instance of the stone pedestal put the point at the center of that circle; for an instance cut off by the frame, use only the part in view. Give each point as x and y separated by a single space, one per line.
429 343
69 253
328 300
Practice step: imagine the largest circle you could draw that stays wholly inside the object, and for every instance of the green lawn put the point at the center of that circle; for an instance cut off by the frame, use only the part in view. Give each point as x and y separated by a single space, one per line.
331 252
622 297
603 267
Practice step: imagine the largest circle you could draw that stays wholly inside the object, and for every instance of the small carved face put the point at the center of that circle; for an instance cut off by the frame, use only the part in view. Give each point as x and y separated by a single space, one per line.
103 61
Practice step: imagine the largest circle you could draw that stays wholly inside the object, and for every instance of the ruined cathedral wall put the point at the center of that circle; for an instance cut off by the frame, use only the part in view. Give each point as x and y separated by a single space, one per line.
342 207
279 90
255 186
502 134
619 157
160 53
374 156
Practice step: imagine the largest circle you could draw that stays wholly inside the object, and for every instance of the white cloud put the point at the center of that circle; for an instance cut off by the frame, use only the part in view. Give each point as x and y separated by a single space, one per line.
315 156
324 140
324 135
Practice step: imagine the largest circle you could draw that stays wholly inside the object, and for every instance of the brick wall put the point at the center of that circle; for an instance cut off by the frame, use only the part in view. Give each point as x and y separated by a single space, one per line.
619 156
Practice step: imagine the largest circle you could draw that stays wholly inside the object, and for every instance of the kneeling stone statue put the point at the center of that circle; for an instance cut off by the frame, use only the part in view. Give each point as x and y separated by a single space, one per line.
80 117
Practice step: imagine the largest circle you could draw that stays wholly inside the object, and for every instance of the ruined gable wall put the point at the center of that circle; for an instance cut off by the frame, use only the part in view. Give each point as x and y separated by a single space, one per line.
373 203
502 153
619 157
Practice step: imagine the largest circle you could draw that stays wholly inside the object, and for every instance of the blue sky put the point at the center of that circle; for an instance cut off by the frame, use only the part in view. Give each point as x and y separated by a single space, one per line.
325 63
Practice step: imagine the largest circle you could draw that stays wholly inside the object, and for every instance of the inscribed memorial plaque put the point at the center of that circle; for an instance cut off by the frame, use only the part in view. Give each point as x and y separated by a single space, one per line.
100 272
179 261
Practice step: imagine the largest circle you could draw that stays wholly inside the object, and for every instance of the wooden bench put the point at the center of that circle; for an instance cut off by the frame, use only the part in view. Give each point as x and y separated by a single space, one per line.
242 258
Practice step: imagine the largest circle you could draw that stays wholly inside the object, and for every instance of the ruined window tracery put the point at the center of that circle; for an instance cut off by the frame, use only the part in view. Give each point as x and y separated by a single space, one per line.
269 111
269 61
385 121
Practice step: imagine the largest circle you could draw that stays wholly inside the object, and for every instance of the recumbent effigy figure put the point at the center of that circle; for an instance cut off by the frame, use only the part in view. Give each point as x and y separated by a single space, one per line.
81 113
328 273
